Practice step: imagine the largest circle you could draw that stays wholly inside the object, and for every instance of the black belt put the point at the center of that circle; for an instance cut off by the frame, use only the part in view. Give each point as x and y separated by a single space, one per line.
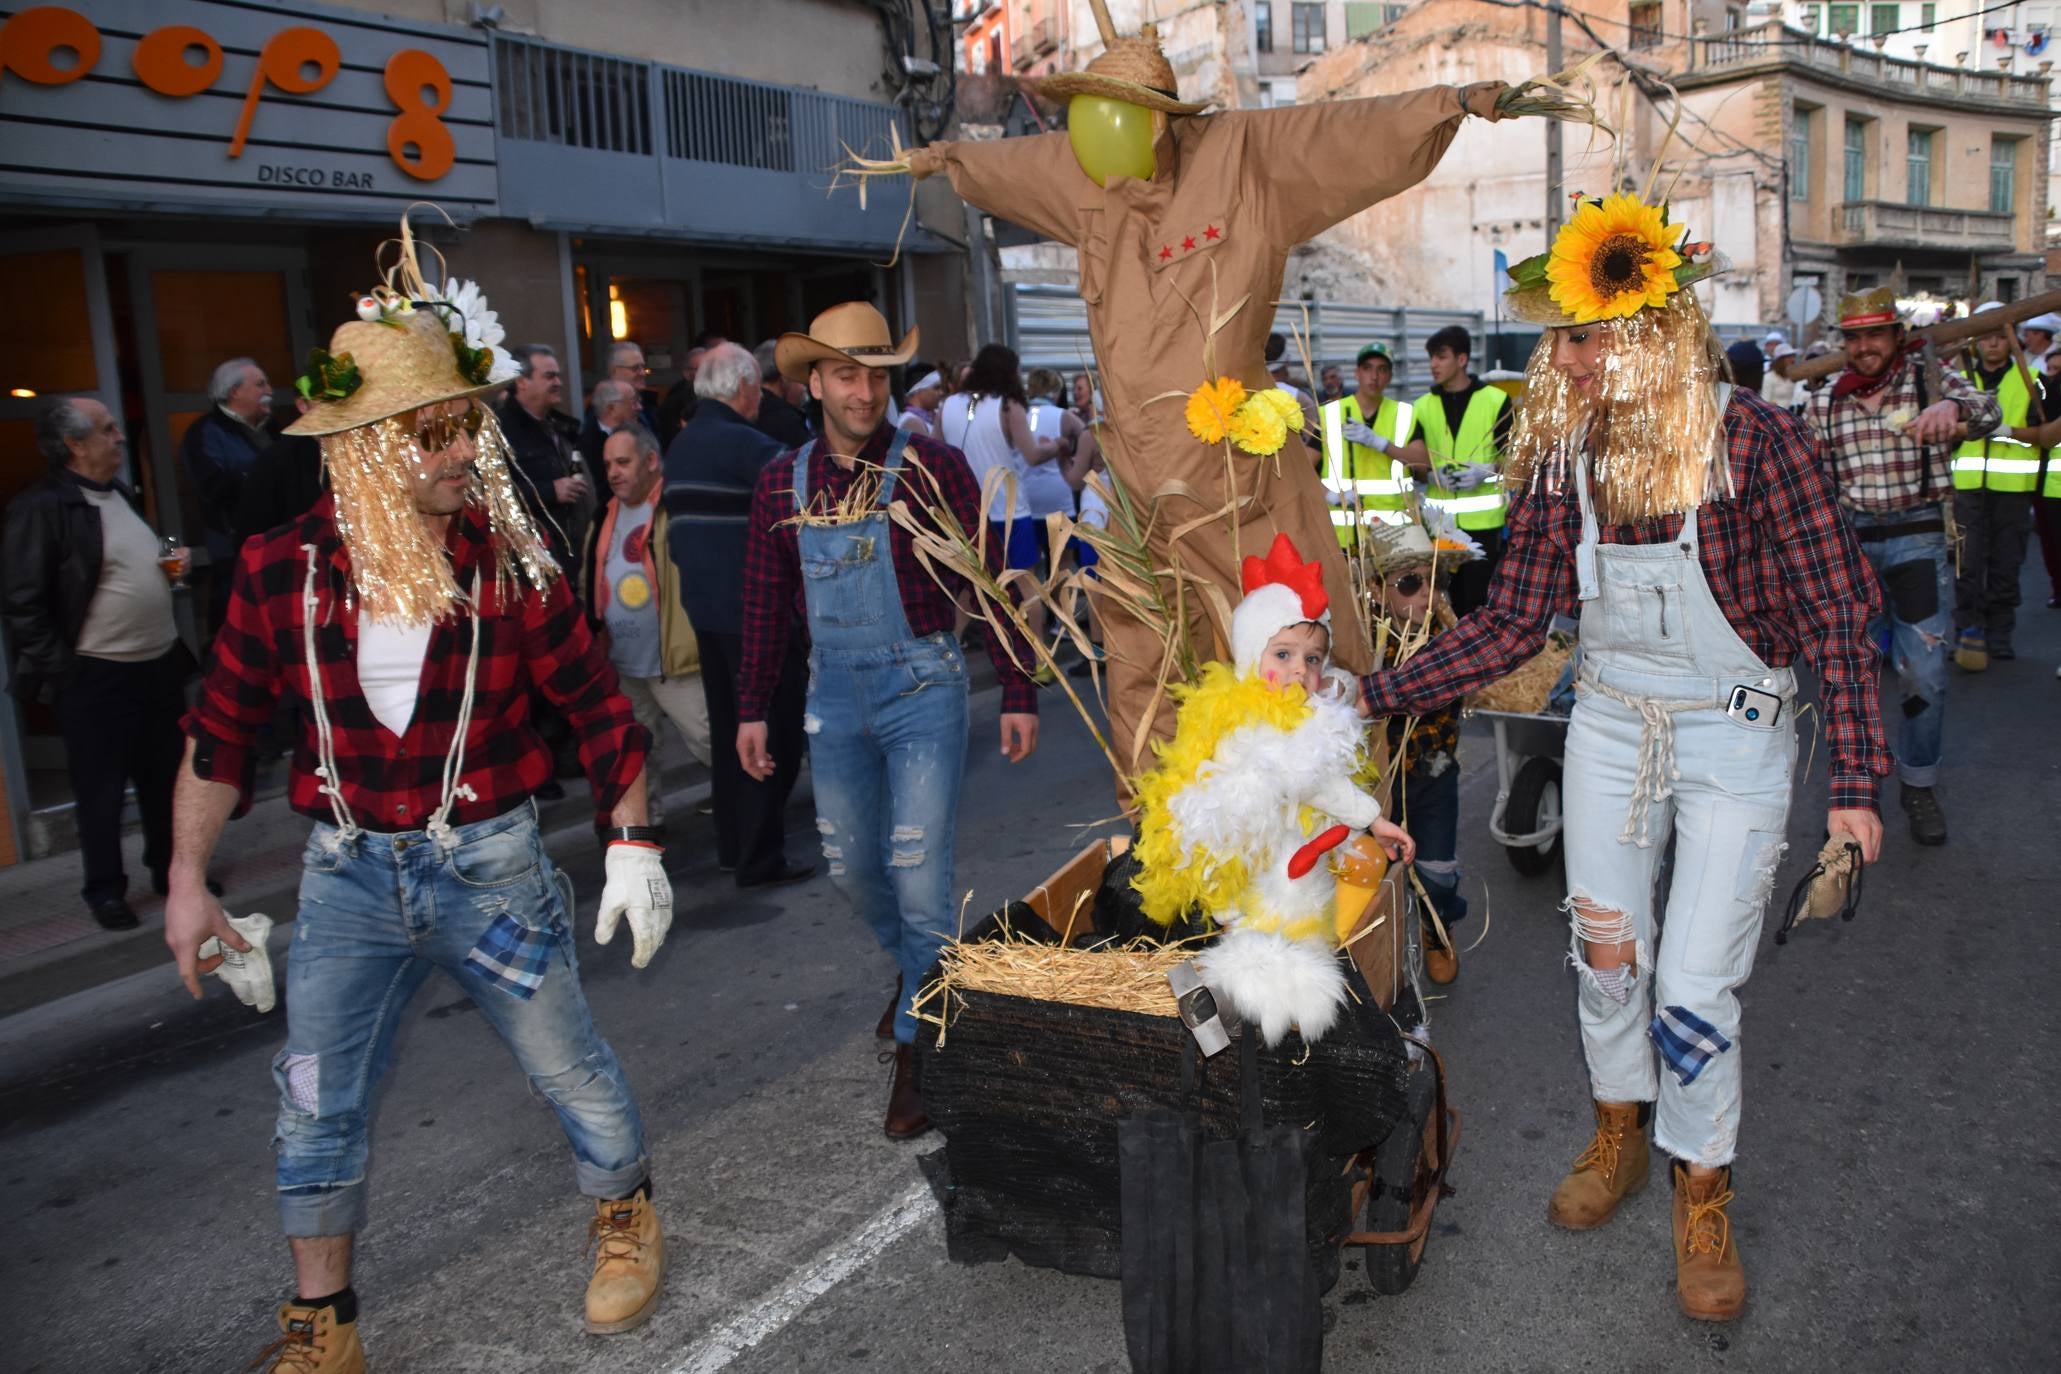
1870 534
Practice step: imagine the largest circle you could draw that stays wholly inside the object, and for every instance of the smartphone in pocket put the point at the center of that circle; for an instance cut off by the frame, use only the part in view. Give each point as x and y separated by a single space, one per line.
1751 706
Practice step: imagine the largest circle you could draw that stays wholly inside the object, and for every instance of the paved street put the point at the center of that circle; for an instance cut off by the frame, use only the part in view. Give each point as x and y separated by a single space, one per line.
1898 1183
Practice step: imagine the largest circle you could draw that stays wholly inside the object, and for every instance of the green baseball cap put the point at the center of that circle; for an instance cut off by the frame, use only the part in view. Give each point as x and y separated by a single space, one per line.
1377 349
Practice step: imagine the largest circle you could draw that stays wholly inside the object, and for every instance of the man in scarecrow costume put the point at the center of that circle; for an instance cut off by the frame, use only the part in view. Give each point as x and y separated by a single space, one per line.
408 615
1691 527
1183 225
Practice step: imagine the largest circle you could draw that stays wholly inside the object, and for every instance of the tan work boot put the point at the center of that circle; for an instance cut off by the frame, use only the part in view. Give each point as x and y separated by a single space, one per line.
1710 1283
1441 963
629 1264
312 1341
1610 1169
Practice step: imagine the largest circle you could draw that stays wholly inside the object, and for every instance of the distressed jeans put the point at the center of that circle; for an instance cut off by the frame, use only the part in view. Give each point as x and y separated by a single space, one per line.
378 914
1728 811
1917 577
887 751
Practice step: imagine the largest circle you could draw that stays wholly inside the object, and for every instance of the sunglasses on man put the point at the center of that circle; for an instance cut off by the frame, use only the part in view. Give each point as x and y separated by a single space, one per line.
1409 584
439 432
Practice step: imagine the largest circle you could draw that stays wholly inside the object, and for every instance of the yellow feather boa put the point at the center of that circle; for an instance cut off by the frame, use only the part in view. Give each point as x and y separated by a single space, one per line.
1169 880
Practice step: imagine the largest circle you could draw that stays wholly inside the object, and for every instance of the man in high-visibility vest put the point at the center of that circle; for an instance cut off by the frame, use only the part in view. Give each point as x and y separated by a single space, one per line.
1994 481
1363 432
1463 430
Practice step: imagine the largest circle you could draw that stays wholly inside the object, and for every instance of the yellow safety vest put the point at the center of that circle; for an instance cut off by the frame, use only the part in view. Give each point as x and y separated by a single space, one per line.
2001 463
2052 489
1365 480
1482 508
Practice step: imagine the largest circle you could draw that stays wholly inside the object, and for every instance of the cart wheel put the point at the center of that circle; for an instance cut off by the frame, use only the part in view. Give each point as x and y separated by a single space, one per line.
1403 1167
1534 805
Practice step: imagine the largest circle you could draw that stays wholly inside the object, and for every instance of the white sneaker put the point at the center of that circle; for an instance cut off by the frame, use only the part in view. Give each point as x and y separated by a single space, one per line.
249 976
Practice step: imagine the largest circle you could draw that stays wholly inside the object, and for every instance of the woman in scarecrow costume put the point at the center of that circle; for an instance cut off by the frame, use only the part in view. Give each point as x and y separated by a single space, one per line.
1254 788
1690 526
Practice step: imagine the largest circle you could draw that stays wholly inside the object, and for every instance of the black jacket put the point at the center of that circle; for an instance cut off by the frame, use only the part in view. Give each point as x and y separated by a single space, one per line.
710 471
287 479
220 454
543 450
49 571
779 420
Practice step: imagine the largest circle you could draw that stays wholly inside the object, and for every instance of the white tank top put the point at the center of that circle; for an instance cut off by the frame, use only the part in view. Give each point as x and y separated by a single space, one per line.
973 425
390 658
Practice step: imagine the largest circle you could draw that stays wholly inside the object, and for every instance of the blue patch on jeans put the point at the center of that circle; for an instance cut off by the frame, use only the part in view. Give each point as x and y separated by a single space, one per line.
513 955
1686 1041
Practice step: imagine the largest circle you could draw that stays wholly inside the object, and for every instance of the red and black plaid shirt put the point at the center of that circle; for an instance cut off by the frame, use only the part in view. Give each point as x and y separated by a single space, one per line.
773 597
1781 561
532 640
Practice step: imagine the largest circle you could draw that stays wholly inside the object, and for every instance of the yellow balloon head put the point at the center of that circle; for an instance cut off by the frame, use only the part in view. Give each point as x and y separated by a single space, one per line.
1111 138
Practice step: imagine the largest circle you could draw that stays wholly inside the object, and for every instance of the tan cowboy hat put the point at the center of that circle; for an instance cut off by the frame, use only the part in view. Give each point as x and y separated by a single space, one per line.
1127 69
392 365
853 332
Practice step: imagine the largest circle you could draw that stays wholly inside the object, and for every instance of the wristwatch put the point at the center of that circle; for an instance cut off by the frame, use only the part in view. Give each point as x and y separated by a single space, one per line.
631 834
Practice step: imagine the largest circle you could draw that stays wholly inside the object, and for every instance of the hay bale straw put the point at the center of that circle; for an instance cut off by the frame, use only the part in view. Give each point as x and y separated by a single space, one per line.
1525 690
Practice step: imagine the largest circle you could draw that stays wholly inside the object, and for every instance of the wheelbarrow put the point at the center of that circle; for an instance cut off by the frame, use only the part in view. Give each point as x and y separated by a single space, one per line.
1526 817
1028 1094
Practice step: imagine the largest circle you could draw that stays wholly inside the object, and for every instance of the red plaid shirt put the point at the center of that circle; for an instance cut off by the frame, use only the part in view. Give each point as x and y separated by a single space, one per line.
1781 561
773 596
532 640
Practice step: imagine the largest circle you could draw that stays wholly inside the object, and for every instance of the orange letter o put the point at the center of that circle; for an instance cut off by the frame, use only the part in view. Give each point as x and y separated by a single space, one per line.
28 39
160 61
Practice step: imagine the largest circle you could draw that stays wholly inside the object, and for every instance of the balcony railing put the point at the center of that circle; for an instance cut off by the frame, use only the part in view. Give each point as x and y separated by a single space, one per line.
587 140
1776 42
1041 38
1886 224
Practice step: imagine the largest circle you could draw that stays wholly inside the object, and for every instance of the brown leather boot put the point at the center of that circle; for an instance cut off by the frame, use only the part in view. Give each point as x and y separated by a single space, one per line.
886 1029
1710 1283
1610 1169
906 1118
1441 963
312 1341
629 1264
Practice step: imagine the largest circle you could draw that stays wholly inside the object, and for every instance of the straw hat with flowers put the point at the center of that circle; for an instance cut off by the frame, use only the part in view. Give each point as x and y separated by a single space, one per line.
1616 256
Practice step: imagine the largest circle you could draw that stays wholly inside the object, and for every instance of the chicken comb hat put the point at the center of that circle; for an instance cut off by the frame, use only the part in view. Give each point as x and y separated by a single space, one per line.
1280 590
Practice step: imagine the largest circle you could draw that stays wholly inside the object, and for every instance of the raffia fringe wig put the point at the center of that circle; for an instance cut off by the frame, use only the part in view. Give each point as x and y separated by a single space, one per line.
398 568
1653 427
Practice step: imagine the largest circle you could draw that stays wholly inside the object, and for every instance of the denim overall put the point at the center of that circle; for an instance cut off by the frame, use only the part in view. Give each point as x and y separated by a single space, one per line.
887 735
1651 749
378 913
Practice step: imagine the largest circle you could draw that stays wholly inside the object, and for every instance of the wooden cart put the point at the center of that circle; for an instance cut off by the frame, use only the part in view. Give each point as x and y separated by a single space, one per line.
1394 1140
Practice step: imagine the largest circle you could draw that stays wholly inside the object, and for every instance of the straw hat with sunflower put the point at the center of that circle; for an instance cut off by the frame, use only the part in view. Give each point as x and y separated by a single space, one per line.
1617 256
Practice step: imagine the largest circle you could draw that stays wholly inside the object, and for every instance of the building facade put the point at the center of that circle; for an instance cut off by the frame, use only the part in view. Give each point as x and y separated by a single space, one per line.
193 180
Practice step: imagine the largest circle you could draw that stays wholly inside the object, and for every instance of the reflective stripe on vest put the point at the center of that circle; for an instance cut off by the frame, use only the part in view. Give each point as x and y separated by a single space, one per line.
1483 507
1999 463
2052 489
1363 478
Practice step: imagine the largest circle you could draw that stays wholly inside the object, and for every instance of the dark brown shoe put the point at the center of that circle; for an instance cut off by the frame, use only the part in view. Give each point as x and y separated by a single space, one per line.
905 1115
886 1029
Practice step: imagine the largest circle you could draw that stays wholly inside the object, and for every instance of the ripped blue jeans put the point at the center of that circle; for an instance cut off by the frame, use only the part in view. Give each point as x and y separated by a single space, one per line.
887 752
378 914
1675 1039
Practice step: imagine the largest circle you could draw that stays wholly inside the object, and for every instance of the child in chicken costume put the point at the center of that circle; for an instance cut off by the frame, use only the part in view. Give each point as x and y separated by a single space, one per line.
1249 796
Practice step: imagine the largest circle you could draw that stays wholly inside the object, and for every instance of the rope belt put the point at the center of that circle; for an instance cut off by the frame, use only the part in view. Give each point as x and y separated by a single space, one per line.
1658 771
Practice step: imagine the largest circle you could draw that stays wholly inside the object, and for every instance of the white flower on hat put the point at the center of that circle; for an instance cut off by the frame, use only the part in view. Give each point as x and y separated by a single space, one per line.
470 317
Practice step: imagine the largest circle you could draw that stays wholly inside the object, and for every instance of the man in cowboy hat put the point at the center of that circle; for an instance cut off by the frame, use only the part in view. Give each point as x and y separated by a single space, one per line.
408 615
887 684
1198 225
1883 428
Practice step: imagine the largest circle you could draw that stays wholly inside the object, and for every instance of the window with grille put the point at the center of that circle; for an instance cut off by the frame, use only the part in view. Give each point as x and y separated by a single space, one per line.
2003 175
1645 26
1843 18
1309 27
1918 168
1928 15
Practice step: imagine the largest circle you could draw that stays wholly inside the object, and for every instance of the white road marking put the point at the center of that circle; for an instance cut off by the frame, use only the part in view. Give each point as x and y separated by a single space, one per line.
833 1267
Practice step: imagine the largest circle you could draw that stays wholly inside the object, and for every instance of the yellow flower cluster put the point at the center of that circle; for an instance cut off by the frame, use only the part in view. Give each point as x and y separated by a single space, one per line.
1257 421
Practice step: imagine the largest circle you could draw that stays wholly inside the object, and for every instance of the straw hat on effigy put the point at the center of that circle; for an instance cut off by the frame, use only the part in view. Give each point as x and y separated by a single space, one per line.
1128 69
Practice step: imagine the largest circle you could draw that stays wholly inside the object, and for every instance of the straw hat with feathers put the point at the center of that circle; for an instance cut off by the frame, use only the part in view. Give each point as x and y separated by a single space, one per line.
1127 69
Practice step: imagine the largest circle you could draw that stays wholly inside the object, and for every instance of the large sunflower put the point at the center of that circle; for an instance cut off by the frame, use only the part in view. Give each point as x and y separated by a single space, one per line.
1613 258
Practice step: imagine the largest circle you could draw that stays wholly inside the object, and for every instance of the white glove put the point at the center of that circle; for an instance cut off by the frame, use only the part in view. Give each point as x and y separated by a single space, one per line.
1360 434
637 888
249 976
1469 476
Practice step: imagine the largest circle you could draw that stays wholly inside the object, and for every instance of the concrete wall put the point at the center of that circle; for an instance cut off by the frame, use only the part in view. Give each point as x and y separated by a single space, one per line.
829 45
